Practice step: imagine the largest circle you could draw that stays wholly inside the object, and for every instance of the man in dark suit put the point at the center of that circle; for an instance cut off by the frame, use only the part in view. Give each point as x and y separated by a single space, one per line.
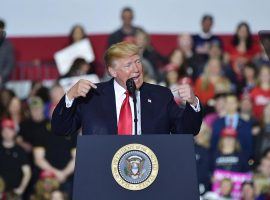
233 120
107 108
127 31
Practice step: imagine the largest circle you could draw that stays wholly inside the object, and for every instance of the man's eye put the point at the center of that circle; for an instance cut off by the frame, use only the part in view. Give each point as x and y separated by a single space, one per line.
138 61
128 65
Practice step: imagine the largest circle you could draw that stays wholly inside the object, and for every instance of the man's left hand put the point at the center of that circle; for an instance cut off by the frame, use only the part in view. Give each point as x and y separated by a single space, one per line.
186 93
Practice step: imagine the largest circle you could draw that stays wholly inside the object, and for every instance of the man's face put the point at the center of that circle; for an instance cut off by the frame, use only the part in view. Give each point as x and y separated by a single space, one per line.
124 68
231 104
207 25
127 17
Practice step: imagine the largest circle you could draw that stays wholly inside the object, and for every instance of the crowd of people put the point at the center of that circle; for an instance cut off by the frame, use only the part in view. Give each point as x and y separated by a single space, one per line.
233 85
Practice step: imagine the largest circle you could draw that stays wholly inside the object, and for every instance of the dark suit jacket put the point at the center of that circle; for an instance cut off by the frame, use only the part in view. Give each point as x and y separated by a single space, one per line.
96 113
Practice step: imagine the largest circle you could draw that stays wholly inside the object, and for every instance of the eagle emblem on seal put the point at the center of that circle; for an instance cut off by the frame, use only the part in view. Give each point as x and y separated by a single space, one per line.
134 167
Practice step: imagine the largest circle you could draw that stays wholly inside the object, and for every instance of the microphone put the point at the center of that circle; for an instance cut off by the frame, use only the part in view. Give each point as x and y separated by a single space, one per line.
2 36
131 87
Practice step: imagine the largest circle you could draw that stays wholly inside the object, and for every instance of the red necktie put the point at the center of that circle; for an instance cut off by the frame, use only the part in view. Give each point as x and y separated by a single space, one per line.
125 118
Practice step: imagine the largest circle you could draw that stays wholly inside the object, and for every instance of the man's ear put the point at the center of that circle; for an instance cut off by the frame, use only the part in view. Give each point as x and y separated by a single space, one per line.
112 71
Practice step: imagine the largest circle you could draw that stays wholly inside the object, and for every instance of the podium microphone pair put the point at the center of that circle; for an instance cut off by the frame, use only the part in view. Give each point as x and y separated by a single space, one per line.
131 87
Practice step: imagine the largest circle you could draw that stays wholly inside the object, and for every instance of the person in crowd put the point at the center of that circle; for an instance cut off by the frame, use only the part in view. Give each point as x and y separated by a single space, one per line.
246 113
127 31
232 119
203 40
7 58
218 103
262 142
45 186
17 112
202 144
151 59
226 187
35 127
185 44
216 52
261 186
211 82
242 49
177 60
194 61
224 193
261 58
264 166
229 155
60 161
77 33
260 94
171 76
247 191
79 67
249 78
56 93
15 168
40 90
5 96
47 155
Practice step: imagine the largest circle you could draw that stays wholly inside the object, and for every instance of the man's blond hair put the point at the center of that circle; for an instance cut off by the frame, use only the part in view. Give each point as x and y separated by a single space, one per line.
120 50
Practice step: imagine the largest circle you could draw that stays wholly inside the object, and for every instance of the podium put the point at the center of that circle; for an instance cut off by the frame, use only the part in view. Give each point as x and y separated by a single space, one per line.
173 174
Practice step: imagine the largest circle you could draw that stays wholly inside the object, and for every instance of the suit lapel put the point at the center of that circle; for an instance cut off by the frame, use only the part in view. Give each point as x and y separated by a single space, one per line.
146 108
109 106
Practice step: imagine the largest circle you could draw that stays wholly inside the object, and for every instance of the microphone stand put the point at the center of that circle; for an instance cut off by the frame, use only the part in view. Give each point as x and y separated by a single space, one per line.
135 112
131 87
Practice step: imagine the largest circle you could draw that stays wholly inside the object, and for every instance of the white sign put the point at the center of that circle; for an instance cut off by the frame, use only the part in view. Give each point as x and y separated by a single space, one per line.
65 57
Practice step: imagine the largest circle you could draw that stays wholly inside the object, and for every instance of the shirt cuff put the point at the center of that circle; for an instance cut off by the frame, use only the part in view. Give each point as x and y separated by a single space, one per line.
68 101
196 108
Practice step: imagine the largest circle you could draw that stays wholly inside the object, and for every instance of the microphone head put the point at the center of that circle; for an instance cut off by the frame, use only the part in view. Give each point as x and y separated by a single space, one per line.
131 87
2 36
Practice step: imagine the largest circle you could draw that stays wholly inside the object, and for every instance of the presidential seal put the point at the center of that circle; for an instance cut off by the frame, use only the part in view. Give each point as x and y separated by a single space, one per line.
134 167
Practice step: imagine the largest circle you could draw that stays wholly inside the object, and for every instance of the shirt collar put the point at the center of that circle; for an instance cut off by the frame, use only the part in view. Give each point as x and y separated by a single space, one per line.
118 89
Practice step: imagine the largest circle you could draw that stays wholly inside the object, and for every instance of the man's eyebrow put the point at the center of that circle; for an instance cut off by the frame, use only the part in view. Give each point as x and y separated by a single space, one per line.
128 63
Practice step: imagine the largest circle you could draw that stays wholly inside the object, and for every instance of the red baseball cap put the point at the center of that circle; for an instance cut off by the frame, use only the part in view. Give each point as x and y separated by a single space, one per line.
46 174
229 132
8 123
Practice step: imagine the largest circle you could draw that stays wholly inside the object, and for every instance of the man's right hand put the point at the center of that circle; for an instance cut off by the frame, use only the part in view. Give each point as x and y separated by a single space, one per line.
80 89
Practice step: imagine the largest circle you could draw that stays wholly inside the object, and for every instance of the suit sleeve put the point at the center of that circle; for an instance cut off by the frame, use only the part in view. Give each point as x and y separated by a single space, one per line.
66 121
184 120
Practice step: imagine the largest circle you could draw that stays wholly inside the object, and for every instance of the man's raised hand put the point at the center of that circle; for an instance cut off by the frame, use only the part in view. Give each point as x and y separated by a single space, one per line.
80 89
